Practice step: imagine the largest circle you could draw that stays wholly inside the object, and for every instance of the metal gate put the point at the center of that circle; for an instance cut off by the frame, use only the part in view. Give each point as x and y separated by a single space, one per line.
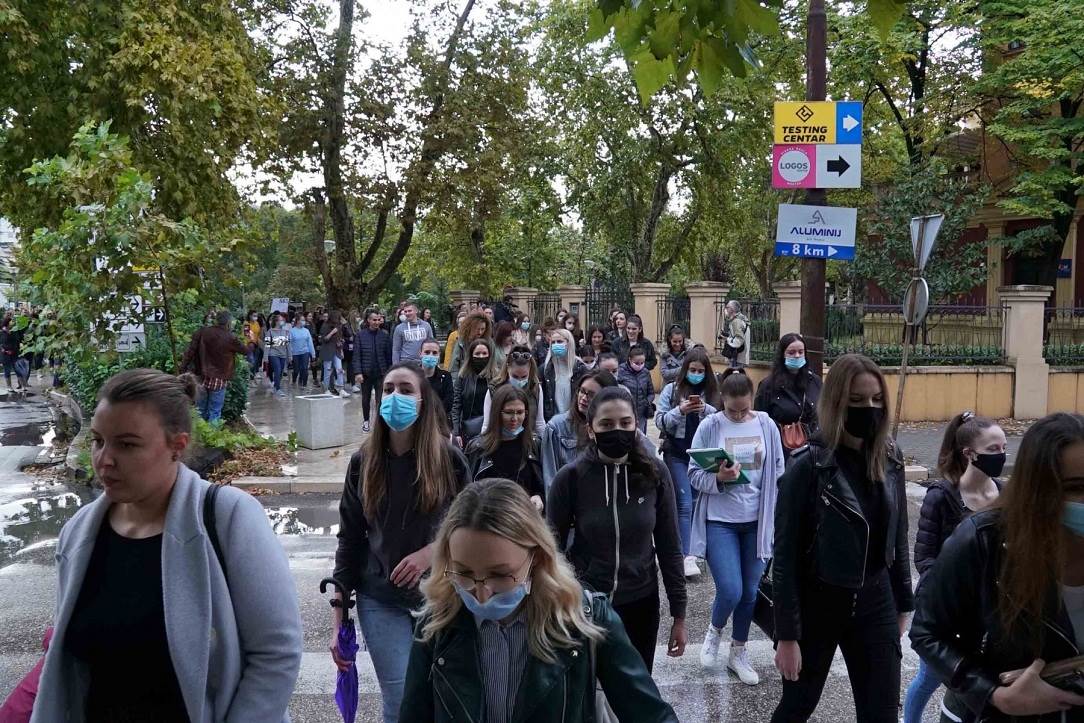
601 301
545 306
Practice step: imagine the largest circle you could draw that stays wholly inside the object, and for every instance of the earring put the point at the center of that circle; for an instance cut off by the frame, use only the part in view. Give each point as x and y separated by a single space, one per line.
175 456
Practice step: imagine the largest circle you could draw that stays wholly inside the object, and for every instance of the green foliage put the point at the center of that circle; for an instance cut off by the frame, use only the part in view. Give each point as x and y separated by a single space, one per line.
226 438
956 266
1037 94
664 40
179 77
110 244
892 354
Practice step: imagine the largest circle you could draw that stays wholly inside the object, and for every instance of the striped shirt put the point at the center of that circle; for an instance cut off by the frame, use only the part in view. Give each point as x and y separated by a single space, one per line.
502 652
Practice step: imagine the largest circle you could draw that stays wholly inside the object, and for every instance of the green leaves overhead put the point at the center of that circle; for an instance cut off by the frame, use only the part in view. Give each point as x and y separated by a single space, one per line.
712 38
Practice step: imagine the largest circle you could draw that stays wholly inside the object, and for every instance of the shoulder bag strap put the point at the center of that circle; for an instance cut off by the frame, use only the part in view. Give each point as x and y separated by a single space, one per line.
209 524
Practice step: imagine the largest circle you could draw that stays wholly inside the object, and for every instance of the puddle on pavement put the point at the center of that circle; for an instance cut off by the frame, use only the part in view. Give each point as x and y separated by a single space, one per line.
303 520
30 523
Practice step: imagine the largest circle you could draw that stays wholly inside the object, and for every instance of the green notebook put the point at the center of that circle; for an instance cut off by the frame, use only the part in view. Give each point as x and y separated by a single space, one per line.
709 459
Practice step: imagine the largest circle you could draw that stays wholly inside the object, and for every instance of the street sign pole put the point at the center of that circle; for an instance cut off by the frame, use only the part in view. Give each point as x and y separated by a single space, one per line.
813 270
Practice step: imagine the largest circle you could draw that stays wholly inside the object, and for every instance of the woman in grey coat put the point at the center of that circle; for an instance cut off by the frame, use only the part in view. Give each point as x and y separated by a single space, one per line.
153 620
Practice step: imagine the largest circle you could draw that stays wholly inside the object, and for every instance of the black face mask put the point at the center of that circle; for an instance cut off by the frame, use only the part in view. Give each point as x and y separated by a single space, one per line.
478 364
990 465
616 443
863 422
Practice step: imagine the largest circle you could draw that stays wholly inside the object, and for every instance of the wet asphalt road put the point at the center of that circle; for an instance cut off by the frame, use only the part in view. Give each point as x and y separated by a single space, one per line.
31 514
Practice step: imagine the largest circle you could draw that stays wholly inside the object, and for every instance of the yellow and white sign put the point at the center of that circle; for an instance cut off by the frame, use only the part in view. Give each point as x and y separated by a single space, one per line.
818 122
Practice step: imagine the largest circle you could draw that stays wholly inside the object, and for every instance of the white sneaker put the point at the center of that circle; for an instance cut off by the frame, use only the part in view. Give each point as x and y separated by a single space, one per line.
710 649
738 663
343 393
691 568
365 426
356 389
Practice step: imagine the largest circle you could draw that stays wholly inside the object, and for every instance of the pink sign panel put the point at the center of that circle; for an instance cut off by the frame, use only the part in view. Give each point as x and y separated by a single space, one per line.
794 166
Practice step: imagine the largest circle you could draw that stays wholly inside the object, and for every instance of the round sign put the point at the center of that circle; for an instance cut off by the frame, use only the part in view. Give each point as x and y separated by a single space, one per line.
794 165
916 301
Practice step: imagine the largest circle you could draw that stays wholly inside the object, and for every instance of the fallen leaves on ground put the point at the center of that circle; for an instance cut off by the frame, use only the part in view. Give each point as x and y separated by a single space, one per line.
251 463
1012 427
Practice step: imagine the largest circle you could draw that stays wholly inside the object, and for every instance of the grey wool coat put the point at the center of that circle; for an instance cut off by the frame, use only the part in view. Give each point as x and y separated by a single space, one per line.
236 649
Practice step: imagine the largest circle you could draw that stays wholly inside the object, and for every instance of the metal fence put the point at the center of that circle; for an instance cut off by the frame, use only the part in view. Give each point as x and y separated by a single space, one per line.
672 310
950 335
601 301
545 306
763 316
1063 336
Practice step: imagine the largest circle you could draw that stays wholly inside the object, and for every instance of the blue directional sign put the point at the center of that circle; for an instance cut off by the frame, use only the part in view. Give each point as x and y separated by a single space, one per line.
848 122
815 251
815 232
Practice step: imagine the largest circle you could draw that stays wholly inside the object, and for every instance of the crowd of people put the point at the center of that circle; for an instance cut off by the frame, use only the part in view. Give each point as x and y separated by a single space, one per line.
509 531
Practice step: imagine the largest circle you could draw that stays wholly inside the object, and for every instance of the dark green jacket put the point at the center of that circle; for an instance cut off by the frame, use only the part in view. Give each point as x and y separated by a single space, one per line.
443 680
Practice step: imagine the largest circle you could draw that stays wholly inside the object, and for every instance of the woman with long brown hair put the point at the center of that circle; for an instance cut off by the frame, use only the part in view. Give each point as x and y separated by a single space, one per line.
470 385
475 326
1006 593
507 633
509 448
842 571
397 489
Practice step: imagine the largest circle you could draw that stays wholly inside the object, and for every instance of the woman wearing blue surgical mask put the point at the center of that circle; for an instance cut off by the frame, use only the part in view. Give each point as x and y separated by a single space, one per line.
1006 592
507 633
522 333
790 394
683 405
562 370
519 370
509 449
439 379
397 489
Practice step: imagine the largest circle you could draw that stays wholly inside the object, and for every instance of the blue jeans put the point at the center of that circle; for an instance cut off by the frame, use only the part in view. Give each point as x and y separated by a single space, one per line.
732 559
388 631
683 491
210 403
301 368
278 366
328 378
919 693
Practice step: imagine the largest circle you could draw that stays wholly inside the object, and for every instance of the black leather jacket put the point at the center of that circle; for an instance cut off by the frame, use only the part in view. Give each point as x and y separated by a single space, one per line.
530 468
942 510
820 534
466 391
443 681
957 628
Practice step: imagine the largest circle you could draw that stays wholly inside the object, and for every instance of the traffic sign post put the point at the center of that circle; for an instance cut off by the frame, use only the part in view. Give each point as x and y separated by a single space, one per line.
816 232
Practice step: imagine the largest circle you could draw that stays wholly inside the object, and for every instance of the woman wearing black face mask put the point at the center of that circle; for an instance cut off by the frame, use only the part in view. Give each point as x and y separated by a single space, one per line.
621 502
972 457
842 573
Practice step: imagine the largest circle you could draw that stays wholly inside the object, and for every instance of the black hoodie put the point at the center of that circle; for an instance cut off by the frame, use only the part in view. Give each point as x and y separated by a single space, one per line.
622 522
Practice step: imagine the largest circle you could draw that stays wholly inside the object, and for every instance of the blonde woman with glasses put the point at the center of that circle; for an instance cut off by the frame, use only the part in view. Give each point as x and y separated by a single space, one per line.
507 633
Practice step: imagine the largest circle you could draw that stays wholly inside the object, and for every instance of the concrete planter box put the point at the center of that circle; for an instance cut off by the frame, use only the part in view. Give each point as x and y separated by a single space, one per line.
319 420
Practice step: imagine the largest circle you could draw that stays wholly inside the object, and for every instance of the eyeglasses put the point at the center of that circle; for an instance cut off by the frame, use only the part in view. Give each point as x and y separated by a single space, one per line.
586 394
496 584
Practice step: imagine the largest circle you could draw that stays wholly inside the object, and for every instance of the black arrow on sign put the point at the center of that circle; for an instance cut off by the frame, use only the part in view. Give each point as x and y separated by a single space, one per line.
838 166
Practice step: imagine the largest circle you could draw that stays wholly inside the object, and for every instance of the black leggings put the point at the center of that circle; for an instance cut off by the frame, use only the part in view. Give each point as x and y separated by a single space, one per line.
372 384
869 639
641 621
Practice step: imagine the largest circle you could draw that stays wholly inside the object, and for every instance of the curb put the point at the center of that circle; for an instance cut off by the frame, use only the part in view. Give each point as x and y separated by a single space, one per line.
290 485
916 473
72 409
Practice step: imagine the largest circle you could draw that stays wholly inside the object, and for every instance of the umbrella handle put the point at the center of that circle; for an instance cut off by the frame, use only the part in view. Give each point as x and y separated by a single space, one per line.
345 602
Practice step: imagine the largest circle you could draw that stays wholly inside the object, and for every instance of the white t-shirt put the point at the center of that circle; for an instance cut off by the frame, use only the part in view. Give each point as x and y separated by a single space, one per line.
745 444
1074 605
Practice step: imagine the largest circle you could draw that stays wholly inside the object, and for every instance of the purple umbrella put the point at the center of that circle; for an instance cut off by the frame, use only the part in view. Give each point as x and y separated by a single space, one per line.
346 685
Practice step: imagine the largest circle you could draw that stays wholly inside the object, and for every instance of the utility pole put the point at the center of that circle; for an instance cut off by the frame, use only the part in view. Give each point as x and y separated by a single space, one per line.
816 88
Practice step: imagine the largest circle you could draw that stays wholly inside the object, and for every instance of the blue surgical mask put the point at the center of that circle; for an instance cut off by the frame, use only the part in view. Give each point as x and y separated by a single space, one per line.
498 606
399 410
794 362
1072 517
694 378
558 349
519 383
525 325
429 361
513 433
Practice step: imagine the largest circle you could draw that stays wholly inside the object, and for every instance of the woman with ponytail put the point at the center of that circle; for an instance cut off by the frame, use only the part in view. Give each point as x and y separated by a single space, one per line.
971 459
